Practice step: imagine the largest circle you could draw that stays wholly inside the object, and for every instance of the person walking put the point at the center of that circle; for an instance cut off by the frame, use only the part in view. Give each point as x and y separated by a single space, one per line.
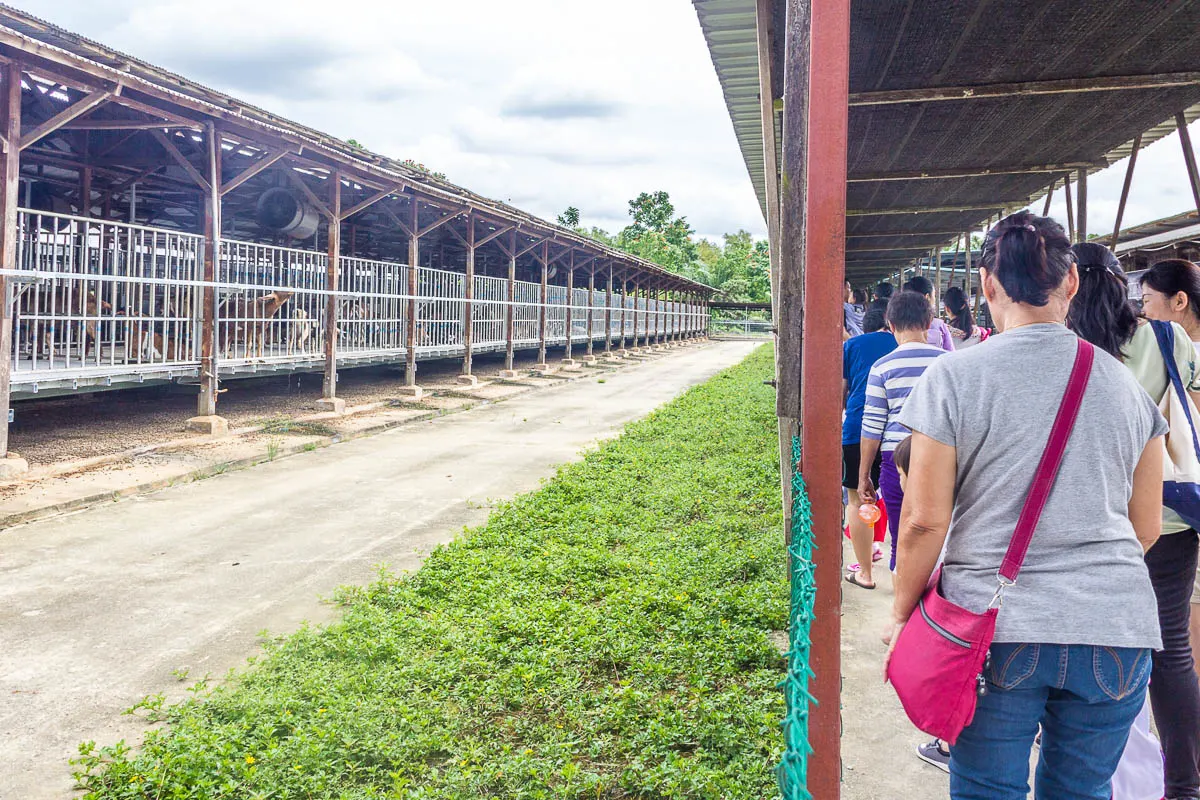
1102 314
939 333
852 314
889 382
963 329
1074 633
858 356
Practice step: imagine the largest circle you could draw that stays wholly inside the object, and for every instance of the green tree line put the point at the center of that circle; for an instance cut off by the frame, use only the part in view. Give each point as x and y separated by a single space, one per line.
739 268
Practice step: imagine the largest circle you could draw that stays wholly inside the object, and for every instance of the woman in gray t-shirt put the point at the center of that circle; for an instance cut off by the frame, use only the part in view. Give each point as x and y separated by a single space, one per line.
1074 635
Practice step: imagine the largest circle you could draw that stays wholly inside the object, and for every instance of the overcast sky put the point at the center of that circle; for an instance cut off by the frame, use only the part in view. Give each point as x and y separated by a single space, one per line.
541 103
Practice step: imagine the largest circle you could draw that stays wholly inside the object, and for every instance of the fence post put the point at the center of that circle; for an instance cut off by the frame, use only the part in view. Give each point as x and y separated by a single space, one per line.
591 315
10 126
410 387
608 301
329 400
206 419
469 305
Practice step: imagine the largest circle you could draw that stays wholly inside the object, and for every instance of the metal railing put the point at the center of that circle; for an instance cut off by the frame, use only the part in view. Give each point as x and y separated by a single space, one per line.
95 298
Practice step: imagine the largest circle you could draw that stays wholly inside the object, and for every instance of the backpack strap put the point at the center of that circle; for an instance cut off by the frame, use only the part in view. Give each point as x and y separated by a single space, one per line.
1047 470
1165 333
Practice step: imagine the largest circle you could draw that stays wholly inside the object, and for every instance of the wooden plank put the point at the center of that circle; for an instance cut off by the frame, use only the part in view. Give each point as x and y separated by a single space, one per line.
181 160
76 109
1137 145
265 161
1025 89
10 129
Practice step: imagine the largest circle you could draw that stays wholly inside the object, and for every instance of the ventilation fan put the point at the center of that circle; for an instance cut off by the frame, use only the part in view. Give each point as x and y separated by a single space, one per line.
281 211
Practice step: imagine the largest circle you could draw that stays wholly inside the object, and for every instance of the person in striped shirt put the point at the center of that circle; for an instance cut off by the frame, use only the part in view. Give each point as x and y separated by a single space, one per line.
888 385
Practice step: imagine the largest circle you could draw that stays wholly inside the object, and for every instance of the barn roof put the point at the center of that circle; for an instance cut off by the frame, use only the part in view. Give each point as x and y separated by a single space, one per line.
959 111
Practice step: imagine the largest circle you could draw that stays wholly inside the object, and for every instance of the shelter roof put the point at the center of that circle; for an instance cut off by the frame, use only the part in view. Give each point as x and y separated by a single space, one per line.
959 111
1159 233
37 41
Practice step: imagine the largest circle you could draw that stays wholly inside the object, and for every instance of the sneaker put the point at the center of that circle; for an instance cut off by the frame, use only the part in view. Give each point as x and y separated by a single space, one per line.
932 753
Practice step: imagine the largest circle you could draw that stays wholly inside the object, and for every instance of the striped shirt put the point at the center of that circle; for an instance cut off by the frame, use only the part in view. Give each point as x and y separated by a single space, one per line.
888 386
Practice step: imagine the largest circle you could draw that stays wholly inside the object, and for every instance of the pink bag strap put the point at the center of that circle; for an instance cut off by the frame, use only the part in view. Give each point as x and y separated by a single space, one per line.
1047 471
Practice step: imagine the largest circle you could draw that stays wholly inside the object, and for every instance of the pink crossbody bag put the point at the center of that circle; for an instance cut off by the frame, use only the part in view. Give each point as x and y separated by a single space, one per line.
940 657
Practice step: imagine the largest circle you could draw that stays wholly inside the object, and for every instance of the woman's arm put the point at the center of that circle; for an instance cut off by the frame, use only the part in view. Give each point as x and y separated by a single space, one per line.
1145 505
947 338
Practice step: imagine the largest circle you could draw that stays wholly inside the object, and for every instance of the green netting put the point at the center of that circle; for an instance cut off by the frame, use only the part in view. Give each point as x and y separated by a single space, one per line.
793 770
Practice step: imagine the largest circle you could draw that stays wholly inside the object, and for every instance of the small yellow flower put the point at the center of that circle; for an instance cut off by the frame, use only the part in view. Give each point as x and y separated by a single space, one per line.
249 759
320 711
528 752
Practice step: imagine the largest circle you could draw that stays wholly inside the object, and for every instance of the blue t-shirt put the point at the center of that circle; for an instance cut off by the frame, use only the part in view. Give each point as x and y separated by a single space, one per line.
858 356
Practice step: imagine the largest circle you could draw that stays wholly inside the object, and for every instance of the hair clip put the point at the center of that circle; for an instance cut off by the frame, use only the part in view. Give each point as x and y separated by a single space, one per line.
1029 227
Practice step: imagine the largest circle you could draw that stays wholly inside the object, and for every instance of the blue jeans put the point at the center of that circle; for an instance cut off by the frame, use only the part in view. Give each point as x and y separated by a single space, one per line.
1086 699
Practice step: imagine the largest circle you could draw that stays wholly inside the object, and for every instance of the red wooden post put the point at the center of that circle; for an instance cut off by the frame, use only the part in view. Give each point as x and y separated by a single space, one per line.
608 311
469 301
414 257
545 297
329 385
821 369
568 361
511 296
10 126
591 314
206 419
624 296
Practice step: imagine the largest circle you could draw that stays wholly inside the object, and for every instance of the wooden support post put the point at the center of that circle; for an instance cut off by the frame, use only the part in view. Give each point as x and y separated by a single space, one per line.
511 294
1070 208
329 398
591 314
1137 145
414 260
636 292
1189 157
206 419
1050 197
1081 187
544 298
624 303
967 267
821 384
468 304
568 361
608 311
10 129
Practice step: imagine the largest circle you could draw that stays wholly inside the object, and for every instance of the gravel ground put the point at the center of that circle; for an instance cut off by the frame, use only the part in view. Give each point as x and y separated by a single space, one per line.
69 428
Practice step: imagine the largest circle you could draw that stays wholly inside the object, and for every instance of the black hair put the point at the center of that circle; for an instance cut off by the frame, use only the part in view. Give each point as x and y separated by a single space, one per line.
1101 312
875 319
884 290
956 301
860 297
903 454
909 311
1029 255
920 284
1174 275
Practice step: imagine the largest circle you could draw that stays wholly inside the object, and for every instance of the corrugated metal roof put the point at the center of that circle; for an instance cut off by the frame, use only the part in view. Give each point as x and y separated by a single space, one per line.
939 43
1159 233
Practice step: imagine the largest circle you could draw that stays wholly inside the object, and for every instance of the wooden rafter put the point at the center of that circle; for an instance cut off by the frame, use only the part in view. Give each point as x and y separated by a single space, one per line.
1025 89
495 235
972 172
440 222
180 159
372 200
76 109
532 247
884 212
308 193
119 125
265 161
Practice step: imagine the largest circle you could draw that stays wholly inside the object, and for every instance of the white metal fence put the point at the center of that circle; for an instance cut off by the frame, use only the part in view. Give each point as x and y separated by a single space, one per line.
96 300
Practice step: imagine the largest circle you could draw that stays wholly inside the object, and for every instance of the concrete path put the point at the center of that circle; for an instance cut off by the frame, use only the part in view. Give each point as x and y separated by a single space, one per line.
100 608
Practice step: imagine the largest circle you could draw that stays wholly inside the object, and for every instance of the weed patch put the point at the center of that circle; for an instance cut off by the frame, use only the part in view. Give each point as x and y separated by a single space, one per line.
284 425
607 636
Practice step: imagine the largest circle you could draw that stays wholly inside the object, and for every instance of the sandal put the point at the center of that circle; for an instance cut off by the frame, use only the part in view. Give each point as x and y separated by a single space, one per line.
853 577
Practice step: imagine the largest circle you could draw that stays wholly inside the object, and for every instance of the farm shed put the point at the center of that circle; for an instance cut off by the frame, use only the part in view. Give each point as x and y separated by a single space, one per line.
876 134
154 230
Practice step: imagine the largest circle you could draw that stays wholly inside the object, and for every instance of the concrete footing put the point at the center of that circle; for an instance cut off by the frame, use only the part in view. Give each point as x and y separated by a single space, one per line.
413 392
509 374
467 380
569 363
12 466
543 368
588 359
209 425
331 405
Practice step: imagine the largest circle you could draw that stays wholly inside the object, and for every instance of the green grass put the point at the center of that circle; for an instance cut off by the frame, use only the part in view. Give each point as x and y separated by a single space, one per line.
603 637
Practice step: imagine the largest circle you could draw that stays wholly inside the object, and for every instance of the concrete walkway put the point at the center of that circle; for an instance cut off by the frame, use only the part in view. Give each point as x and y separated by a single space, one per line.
100 608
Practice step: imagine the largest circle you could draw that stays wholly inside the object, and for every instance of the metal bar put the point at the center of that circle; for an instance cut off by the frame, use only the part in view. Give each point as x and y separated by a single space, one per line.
1137 145
10 129
821 386
1025 89
972 172
77 109
332 281
1189 157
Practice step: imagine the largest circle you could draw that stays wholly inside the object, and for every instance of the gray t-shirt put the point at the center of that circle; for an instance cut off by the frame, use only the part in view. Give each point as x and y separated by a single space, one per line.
1084 580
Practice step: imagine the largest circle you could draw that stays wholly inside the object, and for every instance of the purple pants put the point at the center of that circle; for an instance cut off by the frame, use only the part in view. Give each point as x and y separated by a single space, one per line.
893 495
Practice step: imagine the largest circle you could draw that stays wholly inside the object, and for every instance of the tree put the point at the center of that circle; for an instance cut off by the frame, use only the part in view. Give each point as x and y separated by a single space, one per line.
658 235
569 218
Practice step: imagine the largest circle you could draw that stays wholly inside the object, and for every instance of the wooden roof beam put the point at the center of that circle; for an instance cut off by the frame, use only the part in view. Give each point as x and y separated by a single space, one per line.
972 172
180 159
883 234
265 161
76 109
372 200
886 212
1025 89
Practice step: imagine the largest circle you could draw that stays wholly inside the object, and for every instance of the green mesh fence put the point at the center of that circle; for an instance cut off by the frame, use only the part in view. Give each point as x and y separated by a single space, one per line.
793 770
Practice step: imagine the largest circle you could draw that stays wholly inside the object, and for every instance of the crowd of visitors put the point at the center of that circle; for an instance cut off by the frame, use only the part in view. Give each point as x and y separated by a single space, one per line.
1094 612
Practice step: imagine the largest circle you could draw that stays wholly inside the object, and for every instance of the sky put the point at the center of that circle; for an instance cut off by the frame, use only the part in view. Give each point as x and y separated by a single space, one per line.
540 103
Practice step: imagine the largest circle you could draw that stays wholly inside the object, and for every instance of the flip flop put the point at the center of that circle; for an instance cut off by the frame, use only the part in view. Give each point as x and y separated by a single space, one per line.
853 577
